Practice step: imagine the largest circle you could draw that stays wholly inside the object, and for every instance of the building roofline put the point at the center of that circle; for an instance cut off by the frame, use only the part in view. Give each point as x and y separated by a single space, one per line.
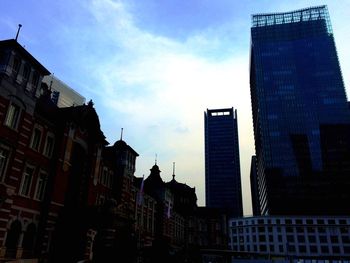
291 12
300 15
13 43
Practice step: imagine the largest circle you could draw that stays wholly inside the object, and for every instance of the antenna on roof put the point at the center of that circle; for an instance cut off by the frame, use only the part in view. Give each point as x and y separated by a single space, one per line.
121 134
173 170
156 160
19 28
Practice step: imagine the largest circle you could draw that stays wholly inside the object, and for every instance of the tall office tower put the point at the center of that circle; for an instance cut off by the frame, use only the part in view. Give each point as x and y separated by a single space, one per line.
222 167
298 100
254 187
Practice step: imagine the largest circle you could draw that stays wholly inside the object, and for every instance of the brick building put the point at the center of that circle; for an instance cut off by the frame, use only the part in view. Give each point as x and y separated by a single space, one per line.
65 195
49 164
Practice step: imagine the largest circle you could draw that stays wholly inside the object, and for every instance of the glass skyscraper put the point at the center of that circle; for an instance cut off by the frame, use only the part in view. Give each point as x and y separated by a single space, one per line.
222 165
296 89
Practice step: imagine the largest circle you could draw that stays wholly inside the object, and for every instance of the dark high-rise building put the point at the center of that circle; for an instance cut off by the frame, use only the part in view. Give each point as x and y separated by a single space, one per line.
296 89
254 187
222 167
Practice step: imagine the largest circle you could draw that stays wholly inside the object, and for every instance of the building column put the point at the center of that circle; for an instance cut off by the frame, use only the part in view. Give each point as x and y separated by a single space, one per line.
19 251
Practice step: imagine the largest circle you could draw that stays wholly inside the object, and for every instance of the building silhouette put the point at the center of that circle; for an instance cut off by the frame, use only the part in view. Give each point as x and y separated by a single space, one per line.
298 104
68 196
222 166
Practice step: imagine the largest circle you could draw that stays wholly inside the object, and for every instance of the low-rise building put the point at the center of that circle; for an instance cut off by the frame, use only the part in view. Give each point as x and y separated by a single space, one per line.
291 237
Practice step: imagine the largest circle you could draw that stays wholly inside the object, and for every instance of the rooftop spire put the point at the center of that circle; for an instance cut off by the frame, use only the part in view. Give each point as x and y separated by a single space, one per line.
19 28
121 134
173 170
156 160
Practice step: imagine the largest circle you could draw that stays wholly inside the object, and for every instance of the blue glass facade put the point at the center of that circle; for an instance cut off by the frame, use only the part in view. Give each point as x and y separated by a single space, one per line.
222 166
296 87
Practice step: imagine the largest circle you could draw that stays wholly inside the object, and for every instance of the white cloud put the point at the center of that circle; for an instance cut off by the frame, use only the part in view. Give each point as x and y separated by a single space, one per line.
163 88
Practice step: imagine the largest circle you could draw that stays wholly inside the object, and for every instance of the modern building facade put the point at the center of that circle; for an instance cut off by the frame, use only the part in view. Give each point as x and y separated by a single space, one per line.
222 165
62 95
292 238
254 187
297 95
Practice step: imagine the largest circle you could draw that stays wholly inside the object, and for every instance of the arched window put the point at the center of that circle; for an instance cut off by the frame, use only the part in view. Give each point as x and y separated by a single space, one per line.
12 239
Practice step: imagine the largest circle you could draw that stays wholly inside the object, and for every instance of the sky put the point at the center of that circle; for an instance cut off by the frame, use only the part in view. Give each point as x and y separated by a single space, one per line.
153 67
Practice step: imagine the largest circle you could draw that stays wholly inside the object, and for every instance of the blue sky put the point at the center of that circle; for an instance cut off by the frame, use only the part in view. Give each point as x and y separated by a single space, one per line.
154 66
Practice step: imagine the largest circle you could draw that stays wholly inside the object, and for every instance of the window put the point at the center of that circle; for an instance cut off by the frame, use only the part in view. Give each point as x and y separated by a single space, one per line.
342 221
49 145
4 157
331 222
35 79
36 138
12 116
2 57
292 249
100 200
290 238
301 239
311 229
309 221
262 248
26 180
334 239
16 65
54 96
300 229
280 248
302 249
289 229
41 186
312 239
262 238
323 239
336 249
26 72
320 221
104 176
343 230
346 249
345 239
234 239
313 249
110 179
321 229
324 249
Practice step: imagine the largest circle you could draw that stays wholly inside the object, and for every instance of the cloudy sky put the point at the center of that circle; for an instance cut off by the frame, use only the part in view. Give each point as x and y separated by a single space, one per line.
154 66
